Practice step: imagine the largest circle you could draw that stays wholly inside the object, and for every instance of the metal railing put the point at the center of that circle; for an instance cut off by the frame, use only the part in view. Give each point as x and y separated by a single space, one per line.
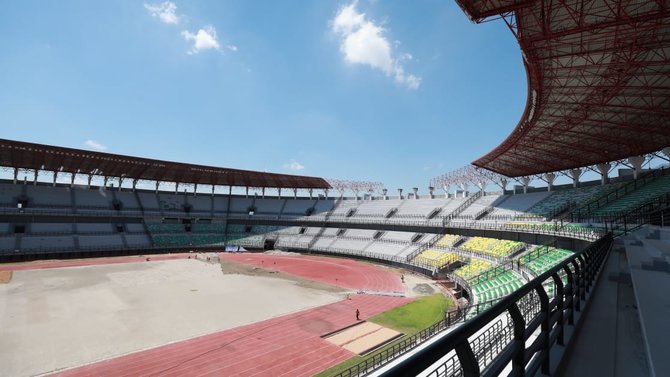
552 318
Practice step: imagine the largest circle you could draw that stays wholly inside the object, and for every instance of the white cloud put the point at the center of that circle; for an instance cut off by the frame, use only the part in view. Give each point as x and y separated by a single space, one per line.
204 39
166 12
95 145
363 42
294 165
232 48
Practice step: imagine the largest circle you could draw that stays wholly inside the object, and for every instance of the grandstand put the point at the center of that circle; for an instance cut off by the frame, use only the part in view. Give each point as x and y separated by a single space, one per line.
524 265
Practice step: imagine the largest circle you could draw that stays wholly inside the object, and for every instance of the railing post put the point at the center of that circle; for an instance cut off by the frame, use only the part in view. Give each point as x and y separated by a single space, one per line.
467 359
519 354
570 292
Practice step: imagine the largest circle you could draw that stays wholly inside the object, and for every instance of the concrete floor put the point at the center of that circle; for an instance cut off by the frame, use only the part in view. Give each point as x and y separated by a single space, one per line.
610 341
59 318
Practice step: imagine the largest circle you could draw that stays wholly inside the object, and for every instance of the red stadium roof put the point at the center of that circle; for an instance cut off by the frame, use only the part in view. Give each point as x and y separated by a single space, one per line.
23 155
598 82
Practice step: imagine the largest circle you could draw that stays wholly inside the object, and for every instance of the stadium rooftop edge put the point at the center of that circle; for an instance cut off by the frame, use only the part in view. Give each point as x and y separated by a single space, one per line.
598 82
22 155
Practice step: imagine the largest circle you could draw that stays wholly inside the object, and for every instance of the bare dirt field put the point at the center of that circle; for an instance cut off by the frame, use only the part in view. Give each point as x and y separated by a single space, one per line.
51 319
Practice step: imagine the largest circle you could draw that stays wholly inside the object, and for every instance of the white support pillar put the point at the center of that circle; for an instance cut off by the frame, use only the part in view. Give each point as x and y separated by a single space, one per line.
310 193
431 190
176 188
637 162
575 174
446 191
325 193
90 177
295 193
550 177
399 193
464 189
525 181
503 184
384 191
157 184
416 192
279 192
604 170
481 186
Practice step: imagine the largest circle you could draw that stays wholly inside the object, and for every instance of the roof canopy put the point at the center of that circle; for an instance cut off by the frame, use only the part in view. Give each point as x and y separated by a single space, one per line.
58 159
598 82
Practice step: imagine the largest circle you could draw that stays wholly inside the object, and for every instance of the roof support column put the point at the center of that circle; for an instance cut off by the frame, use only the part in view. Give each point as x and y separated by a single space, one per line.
35 178
384 191
295 193
120 183
88 180
445 187
325 193
604 169
230 190
247 192
637 162
53 184
503 183
263 192
310 193
431 189
399 193
212 190
525 181
72 176
195 189
16 174
134 184
416 192
550 177
104 181
575 174
481 186
279 192
157 183
176 188
464 189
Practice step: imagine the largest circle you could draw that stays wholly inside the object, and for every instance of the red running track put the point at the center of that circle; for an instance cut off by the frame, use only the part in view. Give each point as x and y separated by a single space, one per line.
40 265
289 345
346 273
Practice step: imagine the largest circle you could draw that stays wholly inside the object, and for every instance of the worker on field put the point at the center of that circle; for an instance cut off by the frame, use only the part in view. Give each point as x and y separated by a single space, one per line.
358 315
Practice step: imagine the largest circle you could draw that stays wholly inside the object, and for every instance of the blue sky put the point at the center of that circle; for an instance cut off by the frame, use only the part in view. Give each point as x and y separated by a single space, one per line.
390 91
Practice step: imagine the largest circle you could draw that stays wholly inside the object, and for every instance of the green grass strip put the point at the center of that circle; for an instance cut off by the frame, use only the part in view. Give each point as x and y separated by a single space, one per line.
409 319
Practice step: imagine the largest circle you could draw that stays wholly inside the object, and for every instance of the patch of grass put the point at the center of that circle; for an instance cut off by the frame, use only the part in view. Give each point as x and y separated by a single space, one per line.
409 319
415 316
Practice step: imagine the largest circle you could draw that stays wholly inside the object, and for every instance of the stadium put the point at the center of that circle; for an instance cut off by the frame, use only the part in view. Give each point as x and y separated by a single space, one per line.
548 255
